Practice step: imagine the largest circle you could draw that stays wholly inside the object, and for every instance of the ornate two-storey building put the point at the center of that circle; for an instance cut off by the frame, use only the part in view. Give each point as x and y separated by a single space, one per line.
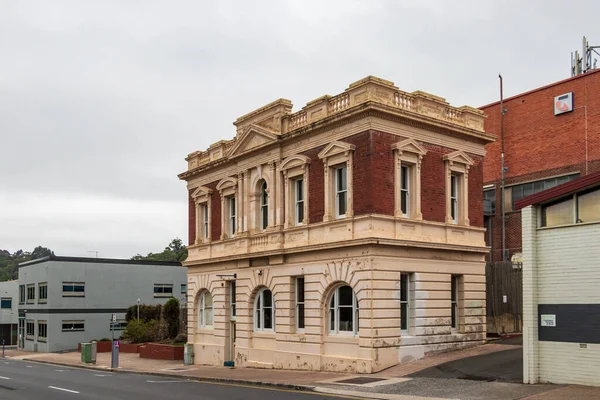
347 236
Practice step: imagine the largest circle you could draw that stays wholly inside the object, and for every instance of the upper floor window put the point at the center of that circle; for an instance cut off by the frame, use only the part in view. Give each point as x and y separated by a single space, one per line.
408 155
489 201
228 189
457 187
22 294
73 289
6 303
295 175
203 199
31 293
343 311
517 192
264 311
264 206
578 208
43 292
338 163
163 290
341 192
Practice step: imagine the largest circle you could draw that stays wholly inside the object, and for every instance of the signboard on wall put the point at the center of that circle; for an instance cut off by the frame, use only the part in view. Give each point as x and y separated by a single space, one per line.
563 103
548 320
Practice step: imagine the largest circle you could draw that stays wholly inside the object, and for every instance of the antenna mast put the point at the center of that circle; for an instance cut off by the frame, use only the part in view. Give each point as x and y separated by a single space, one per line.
586 62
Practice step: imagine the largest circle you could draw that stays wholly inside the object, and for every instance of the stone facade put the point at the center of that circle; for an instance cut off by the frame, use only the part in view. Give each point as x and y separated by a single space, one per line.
347 236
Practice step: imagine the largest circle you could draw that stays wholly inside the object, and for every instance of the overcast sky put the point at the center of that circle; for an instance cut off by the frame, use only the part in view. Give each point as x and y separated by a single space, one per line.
100 101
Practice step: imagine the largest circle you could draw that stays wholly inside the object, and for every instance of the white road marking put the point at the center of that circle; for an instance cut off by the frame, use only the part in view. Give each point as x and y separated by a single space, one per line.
59 370
4 377
6 362
64 390
100 375
29 366
166 381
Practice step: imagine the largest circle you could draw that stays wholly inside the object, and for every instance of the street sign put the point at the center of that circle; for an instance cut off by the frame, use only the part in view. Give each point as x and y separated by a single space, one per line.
116 344
113 318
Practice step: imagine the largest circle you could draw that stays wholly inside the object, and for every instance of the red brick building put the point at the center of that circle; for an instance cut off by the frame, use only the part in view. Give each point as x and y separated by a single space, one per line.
542 150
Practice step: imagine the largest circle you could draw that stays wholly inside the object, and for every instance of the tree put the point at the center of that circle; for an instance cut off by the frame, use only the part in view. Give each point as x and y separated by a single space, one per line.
9 263
175 251
171 315
40 252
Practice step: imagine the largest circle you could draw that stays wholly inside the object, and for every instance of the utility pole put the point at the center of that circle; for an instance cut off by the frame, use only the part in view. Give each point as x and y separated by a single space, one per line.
502 112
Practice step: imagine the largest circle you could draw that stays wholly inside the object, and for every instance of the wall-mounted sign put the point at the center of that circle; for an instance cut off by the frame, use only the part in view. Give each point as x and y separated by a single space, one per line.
563 103
548 320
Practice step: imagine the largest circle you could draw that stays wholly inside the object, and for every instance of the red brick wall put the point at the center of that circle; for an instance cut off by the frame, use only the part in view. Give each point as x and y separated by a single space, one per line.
476 191
215 209
433 185
157 351
316 196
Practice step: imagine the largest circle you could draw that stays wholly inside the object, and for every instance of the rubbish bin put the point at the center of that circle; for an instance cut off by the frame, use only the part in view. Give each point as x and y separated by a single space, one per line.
86 352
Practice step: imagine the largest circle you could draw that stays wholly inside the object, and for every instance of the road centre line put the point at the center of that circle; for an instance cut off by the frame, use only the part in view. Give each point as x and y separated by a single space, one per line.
4 377
171 381
64 390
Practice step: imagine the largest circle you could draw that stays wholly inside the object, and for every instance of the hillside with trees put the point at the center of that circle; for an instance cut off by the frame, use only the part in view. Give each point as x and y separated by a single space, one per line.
9 263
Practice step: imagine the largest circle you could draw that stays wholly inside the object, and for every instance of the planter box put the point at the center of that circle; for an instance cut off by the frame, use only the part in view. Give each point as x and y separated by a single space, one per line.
102 347
130 348
161 351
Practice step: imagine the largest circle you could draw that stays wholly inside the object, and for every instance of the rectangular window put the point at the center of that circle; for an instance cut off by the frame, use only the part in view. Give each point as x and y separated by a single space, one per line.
232 294
517 192
22 294
184 288
73 289
588 206
404 302
559 213
31 293
72 326
43 292
405 190
42 331
120 325
30 329
454 301
489 202
454 198
232 216
6 303
341 191
299 192
204 211
163 290
300 303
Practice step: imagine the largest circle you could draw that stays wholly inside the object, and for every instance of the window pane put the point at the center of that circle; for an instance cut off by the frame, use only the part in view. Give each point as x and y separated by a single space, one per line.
265 217
268 312
341 179
300 212
300 316
453 315
404 287
404 316
346 319
79 288
232 206
207 299
267 298
342 203
589 206
300 290
404 177
453 186
69 288
208 316
345 296
331 319
299 190
453 289
265 196
559 213
404 202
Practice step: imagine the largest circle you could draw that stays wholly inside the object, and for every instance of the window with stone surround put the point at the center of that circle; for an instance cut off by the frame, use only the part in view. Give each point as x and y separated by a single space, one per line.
264 311
202 198
264 206
295 177
228 189
457 187
205 310
338 164
343 311
408 155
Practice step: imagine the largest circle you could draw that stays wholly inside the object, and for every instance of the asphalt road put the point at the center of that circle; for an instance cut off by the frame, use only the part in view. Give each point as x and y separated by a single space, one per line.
21 380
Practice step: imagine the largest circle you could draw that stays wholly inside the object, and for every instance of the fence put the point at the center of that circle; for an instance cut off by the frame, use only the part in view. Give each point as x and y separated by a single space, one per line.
504 288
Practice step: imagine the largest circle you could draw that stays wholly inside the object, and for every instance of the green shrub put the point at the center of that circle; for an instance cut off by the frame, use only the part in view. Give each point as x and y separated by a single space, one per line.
181 338
171 315
140 331
105 340
147 312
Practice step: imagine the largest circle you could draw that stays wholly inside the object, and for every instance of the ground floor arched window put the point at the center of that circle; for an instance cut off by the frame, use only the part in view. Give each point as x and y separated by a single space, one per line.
205 310
343 311
264 311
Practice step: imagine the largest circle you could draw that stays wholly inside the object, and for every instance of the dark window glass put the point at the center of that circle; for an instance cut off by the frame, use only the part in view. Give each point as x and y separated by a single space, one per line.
6 303
345 296
346 319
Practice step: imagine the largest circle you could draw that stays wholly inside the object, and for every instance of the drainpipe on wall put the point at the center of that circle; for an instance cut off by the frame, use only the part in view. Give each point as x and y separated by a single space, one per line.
502 112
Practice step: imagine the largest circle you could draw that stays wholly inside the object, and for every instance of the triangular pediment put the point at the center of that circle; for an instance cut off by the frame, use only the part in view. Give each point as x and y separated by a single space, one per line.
253 137
201 191
458 157
334 148
409 146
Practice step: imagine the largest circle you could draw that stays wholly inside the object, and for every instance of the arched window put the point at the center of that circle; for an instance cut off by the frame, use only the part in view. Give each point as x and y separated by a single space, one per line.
343 311
264 311
264 207
205 310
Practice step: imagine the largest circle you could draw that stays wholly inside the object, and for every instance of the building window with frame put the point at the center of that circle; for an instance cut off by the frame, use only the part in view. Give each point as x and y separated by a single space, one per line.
205 310
264 311
408 155
73 289
577 208
405 190
73 326
338 163
517 192
43 292
203 198
31 293
343 311
184 288
264 206
405 300
232 216
232 299
489 202
42 331
454 198
299 201
454 301
230 220
163 290
341 191
30 329
204 213
6 303
300 309
22 294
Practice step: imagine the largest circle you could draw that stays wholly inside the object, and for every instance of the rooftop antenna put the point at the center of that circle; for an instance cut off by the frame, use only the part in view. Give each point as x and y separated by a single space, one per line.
93 251
587 61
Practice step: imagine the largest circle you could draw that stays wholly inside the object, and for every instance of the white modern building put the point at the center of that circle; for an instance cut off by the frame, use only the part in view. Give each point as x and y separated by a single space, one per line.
9 316
561 277
64 301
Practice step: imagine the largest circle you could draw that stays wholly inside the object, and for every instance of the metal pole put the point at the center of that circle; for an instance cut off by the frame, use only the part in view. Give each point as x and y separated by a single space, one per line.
138 309
502 112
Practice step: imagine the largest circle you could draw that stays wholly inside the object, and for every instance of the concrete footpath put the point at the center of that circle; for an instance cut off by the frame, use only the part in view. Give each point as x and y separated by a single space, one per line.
403 382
